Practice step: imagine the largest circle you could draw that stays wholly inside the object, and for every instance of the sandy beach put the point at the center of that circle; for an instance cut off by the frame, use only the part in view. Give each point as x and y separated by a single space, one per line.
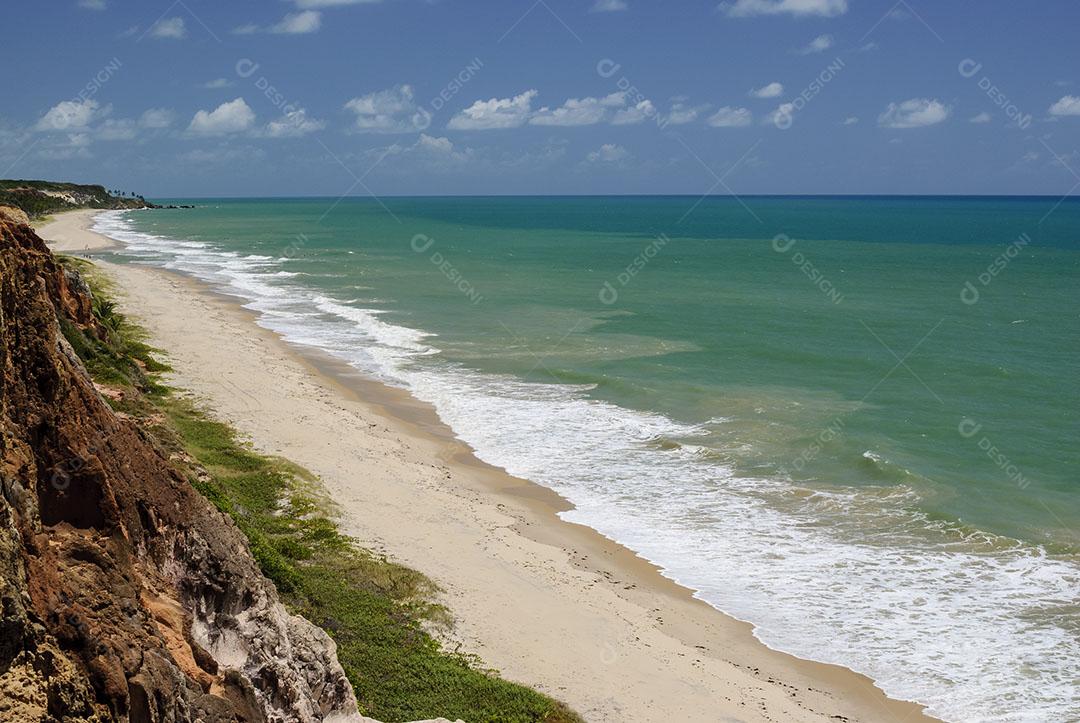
70 233
552 605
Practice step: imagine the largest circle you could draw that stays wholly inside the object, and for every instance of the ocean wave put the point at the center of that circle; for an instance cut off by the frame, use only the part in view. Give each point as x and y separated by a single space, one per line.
368 323
932 610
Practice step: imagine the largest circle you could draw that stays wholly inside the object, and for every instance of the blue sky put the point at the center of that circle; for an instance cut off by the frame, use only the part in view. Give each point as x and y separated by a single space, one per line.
325 97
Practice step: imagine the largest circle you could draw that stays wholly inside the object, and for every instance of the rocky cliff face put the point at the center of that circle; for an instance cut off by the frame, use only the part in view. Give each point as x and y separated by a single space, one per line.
15 215
124 595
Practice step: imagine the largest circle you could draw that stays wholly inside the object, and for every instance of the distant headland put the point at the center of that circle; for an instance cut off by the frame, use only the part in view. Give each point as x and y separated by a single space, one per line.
41 198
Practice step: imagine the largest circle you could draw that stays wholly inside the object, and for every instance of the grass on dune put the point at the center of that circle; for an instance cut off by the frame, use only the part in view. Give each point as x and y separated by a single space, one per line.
378 612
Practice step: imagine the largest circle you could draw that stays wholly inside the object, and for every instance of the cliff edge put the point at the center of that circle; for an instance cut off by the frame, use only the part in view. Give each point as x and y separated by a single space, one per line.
124 595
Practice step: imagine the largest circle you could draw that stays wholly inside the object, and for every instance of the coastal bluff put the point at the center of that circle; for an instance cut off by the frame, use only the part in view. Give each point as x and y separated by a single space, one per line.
124 595
40 198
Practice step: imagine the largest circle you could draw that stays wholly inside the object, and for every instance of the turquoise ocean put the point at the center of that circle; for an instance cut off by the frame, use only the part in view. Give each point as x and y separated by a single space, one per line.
851 421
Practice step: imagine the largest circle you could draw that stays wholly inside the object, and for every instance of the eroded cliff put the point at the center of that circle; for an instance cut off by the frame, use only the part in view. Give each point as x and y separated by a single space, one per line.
124 595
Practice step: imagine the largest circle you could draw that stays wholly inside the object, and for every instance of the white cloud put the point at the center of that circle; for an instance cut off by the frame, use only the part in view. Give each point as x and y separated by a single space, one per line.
108 129
795 8
517 111
439 149
92 4
1068 105
772 90
293 124
681 113
608 6
169 28
851 120
495 113
782 117
818 45
430 153
308 21
728 117
578 111
983 117
71 115
634 114
437 144
217 83
124 129
76 145
116 130
156 118
302 23
608 153
589 111
231 117
913 113
389 111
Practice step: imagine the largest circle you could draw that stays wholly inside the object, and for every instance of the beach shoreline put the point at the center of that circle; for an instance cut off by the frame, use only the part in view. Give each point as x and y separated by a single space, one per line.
520 581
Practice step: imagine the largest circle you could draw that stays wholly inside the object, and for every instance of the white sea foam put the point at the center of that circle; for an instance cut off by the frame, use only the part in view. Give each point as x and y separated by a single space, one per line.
970 624
367 322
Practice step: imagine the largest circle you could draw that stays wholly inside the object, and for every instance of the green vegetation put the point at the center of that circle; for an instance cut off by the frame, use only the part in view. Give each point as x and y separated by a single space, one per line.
377 611
35 203
123 359
39 198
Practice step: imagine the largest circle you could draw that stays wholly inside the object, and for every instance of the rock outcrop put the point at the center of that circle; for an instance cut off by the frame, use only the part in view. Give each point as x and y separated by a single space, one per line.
13 214
124 595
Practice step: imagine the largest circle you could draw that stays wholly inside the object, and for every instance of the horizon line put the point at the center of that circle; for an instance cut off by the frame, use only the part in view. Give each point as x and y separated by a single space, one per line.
1054 197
